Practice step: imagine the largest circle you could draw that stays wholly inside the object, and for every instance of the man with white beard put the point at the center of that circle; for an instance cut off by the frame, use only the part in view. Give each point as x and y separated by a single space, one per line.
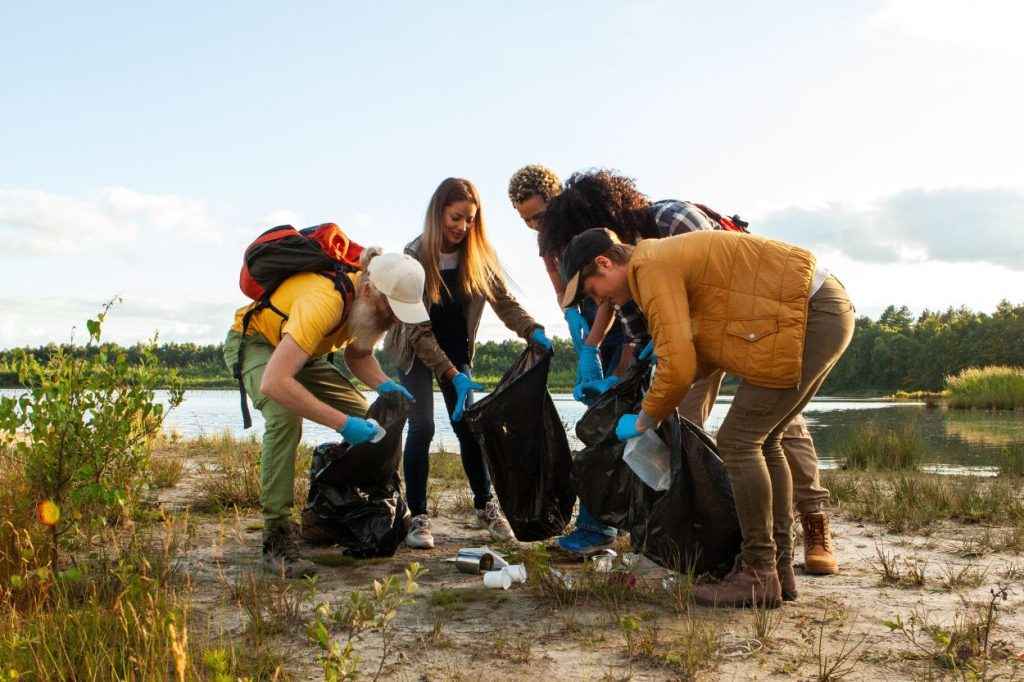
288 379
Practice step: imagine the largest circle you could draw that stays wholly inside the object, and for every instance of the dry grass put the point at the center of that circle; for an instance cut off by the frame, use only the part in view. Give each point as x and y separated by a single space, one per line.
124 613
230 471
914 501
166 469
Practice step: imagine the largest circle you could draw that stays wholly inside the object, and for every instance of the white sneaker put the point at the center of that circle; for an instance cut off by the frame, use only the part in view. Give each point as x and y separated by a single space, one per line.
491 518
419 536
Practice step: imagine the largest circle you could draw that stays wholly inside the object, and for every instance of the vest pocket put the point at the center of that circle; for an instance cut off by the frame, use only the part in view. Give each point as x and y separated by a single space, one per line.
749 347
752 331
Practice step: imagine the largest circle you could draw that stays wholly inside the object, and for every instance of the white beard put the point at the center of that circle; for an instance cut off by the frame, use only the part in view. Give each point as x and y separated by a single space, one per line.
367 324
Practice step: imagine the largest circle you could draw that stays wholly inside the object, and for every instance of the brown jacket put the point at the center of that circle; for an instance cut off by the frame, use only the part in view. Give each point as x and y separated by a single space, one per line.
721 300
406 342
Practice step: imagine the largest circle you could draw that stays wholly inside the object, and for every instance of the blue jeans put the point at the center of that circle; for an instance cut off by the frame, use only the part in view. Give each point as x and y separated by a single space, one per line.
420 382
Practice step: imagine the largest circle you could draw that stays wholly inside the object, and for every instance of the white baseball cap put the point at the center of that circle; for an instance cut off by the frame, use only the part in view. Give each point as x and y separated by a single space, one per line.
400 278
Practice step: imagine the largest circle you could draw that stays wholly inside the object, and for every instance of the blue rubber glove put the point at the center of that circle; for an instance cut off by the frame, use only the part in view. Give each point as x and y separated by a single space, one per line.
590 391
538 338
357 430
578 327
391 386
463 385
588 367
626 427
648 352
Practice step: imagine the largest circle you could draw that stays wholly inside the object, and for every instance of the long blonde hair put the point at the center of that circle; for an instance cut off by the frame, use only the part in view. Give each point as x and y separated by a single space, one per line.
479 268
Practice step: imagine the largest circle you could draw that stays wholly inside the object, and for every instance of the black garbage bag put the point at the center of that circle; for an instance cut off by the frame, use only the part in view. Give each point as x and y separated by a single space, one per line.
526 449
355 493
693 524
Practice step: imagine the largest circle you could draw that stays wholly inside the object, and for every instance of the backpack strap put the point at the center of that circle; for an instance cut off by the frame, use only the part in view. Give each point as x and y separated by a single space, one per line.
732 224
344 286
237 369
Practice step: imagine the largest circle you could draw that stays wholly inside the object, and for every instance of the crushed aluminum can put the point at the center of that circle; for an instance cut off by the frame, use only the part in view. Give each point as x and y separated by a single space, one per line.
566 580
602 563
471 562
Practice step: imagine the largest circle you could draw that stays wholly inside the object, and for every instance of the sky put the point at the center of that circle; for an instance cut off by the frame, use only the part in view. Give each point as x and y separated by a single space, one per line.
142 148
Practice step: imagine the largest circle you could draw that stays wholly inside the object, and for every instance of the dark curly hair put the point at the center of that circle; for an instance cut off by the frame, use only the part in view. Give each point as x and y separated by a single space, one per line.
595 198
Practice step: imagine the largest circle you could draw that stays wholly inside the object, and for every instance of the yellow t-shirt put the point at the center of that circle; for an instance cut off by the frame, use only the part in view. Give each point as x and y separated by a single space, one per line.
314 309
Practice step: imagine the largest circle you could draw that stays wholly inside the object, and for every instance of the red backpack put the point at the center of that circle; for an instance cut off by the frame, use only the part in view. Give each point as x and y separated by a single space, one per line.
281 252
733 224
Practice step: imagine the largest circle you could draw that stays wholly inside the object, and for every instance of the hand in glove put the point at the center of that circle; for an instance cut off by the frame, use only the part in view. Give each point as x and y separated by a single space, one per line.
463 385
538 338
588 366
626 427
579 330
590 391
391 386
357 430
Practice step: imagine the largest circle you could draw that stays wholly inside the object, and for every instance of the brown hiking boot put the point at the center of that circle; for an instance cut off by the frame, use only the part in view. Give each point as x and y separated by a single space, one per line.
819 558
787 580
281 554
745 586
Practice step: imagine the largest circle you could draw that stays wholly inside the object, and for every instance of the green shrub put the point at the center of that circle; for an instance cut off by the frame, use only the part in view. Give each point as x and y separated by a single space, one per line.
987 388
876 448
1011 462
81 431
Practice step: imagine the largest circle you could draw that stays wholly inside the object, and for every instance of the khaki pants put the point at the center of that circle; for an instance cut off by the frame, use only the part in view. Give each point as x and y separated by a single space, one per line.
283 429
809 496
750 439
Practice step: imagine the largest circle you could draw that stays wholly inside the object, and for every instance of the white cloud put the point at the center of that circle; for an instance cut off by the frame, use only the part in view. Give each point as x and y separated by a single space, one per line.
283 216
42 223
37 321
984 25
934 285
948 225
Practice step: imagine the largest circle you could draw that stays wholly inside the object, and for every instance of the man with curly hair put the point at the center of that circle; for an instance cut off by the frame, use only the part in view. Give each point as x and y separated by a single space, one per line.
530 190
602 198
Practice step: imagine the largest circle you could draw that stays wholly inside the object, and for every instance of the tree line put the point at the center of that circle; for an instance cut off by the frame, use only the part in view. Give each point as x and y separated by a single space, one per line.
898 351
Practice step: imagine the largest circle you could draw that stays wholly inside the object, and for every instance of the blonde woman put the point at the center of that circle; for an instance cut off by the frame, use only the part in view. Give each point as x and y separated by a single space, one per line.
462 274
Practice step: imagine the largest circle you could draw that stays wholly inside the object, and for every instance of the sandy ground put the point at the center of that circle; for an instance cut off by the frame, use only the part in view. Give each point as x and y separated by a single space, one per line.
518 634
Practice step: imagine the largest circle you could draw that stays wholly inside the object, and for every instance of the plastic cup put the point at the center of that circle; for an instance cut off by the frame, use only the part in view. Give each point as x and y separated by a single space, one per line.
517 572
381 432
497 580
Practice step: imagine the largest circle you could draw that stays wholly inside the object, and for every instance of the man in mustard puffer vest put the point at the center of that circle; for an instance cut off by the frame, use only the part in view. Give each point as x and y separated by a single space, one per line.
759 309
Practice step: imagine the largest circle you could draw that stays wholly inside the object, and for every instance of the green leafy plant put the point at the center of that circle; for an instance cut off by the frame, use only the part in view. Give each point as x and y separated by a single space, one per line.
83 427
373 611
965 646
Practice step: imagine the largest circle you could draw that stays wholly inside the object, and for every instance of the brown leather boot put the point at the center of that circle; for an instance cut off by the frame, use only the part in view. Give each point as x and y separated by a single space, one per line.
787 580
819 558
745 586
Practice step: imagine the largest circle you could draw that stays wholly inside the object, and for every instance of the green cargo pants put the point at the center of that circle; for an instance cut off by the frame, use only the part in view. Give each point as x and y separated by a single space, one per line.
283 429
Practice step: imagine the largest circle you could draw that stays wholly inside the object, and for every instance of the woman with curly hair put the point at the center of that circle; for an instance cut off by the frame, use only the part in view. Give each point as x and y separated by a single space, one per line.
602 198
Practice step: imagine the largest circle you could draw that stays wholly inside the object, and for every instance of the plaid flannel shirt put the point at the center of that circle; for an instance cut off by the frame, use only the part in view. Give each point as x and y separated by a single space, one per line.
671 218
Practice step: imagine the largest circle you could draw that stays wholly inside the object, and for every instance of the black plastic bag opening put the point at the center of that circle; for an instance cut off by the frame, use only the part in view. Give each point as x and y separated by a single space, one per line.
692 525
355 493
526 449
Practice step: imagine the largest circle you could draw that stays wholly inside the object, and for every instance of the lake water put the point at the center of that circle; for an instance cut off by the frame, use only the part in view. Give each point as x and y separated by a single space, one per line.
959 441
